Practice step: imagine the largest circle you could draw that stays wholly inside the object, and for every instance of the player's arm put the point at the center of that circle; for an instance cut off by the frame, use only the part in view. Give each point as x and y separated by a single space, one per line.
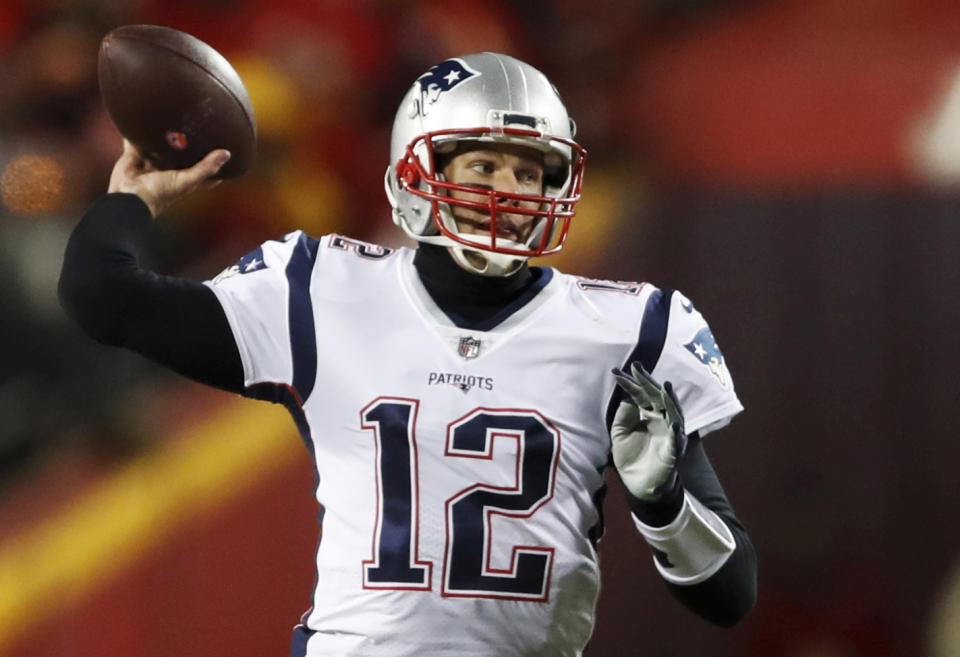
729 594
103 287
679 506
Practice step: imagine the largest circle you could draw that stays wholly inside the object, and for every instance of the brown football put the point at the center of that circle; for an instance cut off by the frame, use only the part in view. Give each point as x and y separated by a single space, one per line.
175 98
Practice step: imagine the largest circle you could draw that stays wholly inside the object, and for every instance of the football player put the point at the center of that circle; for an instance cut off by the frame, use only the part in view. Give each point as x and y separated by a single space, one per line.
461 406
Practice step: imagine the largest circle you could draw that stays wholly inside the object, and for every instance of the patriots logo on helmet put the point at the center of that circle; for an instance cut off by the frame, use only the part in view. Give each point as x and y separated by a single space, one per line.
705 348
441 78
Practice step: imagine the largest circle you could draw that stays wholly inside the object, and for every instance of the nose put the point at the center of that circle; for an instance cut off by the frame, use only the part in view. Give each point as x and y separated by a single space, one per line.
506 181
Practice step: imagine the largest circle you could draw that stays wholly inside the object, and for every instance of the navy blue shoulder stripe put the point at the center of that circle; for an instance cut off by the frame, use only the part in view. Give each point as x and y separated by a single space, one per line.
303 335
653 334
653 330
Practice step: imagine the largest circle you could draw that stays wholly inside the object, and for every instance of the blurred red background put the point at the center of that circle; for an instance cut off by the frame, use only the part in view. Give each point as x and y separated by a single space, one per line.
793 167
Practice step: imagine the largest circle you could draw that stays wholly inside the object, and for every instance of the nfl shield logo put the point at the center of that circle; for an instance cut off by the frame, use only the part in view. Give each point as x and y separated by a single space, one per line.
469 347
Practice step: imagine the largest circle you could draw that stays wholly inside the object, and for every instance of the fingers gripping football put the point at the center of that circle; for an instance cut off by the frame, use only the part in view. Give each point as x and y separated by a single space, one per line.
134 174
647 434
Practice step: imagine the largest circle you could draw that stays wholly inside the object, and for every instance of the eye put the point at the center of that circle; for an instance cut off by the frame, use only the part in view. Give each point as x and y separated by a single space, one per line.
529 176
483 167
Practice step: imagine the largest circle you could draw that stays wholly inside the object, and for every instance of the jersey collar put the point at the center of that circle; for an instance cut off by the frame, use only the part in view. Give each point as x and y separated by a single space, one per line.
472 301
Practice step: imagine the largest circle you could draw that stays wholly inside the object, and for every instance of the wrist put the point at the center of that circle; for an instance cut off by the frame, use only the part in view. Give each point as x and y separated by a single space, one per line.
151 204
134 186
122 203
662 508
693 546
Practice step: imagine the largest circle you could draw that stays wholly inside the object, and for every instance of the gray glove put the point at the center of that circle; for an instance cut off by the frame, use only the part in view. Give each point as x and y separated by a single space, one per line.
647 435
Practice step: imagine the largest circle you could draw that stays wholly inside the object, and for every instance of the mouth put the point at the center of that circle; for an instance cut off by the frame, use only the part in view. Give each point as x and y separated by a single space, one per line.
505 227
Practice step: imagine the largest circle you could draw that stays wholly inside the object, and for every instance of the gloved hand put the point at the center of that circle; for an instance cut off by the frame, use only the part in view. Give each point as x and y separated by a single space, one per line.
648 436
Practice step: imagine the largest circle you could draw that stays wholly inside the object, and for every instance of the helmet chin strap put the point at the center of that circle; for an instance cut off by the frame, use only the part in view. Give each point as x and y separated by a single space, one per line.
481 261
486 263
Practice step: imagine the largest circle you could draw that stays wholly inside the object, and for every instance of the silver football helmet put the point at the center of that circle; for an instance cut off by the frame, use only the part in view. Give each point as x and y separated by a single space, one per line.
484 97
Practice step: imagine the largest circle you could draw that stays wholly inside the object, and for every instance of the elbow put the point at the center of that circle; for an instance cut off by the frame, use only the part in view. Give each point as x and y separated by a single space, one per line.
725 605
87 305
737 607
730 594
739 588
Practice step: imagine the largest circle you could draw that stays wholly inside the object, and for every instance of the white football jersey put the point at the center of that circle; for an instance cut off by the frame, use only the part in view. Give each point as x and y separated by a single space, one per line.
457 468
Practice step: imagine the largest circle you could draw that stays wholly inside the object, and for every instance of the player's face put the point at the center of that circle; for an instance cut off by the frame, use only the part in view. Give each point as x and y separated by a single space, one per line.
504 168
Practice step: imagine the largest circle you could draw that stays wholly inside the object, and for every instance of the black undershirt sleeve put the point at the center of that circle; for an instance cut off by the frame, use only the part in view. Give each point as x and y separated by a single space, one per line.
729 594
176 322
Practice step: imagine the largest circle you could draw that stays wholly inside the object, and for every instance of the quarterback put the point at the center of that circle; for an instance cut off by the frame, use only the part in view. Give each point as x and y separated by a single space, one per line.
461 406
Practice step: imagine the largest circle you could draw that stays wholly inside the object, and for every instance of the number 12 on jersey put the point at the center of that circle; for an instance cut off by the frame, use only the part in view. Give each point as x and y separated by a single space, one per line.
467 568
